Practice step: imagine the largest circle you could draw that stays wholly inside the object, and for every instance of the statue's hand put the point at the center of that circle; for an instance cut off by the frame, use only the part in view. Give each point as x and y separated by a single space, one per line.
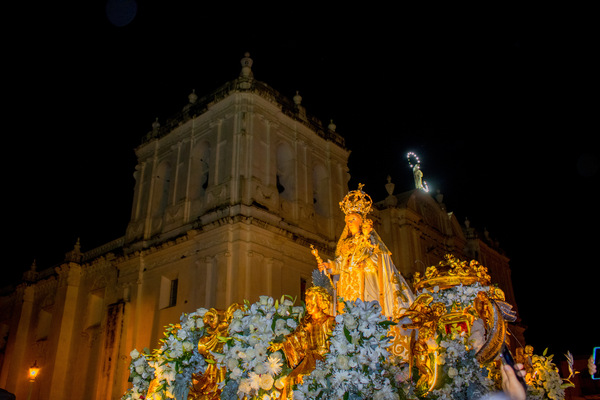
324 267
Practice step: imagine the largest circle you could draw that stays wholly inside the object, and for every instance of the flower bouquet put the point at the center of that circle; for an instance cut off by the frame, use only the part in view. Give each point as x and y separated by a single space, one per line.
253 370
356 366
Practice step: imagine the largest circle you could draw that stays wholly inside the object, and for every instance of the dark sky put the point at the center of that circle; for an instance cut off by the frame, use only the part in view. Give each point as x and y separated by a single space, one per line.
499 104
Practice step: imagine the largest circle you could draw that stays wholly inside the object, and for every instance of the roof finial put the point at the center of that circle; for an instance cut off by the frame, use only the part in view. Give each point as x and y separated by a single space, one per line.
331 126
155 125
75 255
390 200
193 97
246 66
297 99
389 186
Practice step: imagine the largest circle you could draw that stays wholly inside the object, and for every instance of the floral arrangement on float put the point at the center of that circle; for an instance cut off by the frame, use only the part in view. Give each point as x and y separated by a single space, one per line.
543 378
253 371
458 325
358 366
169 369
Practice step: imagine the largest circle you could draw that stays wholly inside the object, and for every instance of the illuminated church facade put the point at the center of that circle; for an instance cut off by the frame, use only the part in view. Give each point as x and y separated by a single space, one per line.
229 195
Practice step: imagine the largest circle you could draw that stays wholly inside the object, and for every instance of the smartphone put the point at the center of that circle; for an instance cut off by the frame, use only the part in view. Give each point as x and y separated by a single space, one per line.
508 359
596 355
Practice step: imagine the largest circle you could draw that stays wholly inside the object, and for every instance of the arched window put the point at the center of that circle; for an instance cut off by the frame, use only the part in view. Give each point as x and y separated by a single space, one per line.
321 190
200 169
286 182
162 182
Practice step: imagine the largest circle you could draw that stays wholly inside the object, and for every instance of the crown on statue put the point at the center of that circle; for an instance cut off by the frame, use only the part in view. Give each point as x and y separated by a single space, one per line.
356 201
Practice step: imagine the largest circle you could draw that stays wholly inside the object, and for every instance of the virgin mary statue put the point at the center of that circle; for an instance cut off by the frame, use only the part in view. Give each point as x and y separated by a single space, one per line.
363 266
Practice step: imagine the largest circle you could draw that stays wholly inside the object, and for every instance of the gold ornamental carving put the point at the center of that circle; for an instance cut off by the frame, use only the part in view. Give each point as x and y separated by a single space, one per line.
451 272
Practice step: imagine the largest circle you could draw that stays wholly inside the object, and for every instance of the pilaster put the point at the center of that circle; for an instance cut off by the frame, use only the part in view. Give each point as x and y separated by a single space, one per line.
69 285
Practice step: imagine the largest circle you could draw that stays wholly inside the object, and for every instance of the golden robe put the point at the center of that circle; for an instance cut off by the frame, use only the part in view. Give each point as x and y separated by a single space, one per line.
367 272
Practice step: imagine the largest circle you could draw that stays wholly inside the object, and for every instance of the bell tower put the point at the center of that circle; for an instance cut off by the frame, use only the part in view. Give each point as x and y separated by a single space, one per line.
242 151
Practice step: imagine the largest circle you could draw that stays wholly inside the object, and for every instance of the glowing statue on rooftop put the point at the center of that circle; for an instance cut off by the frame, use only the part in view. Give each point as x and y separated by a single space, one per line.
417 173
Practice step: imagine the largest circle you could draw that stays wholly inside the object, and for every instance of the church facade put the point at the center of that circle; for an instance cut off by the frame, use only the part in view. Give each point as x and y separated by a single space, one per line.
229 195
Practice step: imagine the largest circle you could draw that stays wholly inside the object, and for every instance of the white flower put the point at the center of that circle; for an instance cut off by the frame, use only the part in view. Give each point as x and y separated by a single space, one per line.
235 326
176 349
298 310
236 373
266 301
187 346
349 321
140 361
134 354
280 325
231 363
342 362
254 380
260 350
292 323
244 387
385 393
266 382
250 354
261 368
340 346
182 334
169 375
274 364
341 376
367 330
452 372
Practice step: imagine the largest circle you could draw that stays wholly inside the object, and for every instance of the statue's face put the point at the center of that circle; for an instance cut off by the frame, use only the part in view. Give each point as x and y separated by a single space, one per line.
312 305
353 221
211 319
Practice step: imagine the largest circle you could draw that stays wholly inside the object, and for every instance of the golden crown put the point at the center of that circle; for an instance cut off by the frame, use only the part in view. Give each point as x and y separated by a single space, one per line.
356 201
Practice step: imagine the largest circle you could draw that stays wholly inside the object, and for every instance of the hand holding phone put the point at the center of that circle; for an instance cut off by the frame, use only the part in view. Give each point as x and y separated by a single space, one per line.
507 359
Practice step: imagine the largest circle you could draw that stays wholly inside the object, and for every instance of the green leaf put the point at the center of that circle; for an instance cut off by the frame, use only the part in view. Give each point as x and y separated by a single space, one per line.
386 324
347 334
566 385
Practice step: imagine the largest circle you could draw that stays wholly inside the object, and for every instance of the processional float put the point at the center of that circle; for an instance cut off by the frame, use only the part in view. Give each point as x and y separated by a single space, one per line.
391 341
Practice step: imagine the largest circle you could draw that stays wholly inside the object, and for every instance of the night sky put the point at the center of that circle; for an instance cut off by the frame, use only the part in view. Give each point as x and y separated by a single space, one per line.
499 104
